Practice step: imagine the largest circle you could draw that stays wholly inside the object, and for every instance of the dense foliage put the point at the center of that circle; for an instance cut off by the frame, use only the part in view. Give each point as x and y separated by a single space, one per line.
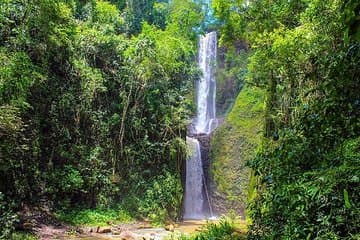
7 218
93 101
95 97
306 55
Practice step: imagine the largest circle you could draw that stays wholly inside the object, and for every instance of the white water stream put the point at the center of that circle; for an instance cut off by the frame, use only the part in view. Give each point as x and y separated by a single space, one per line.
194 197
197 202
205 120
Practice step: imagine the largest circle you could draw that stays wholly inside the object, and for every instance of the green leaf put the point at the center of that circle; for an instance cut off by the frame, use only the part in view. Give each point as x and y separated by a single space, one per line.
346 199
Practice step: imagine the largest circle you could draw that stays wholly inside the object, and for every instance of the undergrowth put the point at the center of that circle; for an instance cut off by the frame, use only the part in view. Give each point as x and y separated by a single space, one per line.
23 236
92 217
225 229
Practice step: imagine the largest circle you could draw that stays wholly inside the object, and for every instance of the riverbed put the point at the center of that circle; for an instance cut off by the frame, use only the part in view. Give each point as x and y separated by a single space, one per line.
156 233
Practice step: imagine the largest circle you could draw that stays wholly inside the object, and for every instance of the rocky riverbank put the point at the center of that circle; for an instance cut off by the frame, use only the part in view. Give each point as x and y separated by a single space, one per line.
126 231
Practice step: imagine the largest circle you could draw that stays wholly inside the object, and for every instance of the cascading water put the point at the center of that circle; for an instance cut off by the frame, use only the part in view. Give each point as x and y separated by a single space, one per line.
197 199
194 198
206 88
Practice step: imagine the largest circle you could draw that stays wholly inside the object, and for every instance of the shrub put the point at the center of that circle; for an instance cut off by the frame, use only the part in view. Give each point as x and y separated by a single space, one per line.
225 229
7 218
23 236
162 200
97 216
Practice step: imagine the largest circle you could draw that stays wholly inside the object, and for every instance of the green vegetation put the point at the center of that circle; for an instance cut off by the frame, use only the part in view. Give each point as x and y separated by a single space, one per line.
162 199
234 143
225 229
95 98
7 218
94 105
95 217
230 76
305 55
23 236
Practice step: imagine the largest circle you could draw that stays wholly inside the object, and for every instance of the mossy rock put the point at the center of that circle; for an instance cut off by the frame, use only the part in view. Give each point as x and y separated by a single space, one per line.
233 144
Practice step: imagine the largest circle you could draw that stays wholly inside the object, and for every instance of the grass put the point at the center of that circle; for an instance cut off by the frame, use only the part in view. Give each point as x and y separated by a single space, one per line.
94 217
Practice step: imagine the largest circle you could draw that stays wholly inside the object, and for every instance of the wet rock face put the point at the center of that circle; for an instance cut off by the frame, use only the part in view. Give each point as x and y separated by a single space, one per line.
222 206
204 140
228 84
219 202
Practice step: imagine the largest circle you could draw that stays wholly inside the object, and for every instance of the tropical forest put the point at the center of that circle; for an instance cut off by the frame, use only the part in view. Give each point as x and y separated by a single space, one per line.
180 119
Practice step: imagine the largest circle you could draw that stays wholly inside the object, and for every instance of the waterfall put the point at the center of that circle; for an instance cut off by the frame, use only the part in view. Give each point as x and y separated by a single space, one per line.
206 88
194 198
197 202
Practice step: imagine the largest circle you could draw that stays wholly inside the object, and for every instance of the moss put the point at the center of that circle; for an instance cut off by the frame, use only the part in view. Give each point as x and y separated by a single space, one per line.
235 142
230 76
